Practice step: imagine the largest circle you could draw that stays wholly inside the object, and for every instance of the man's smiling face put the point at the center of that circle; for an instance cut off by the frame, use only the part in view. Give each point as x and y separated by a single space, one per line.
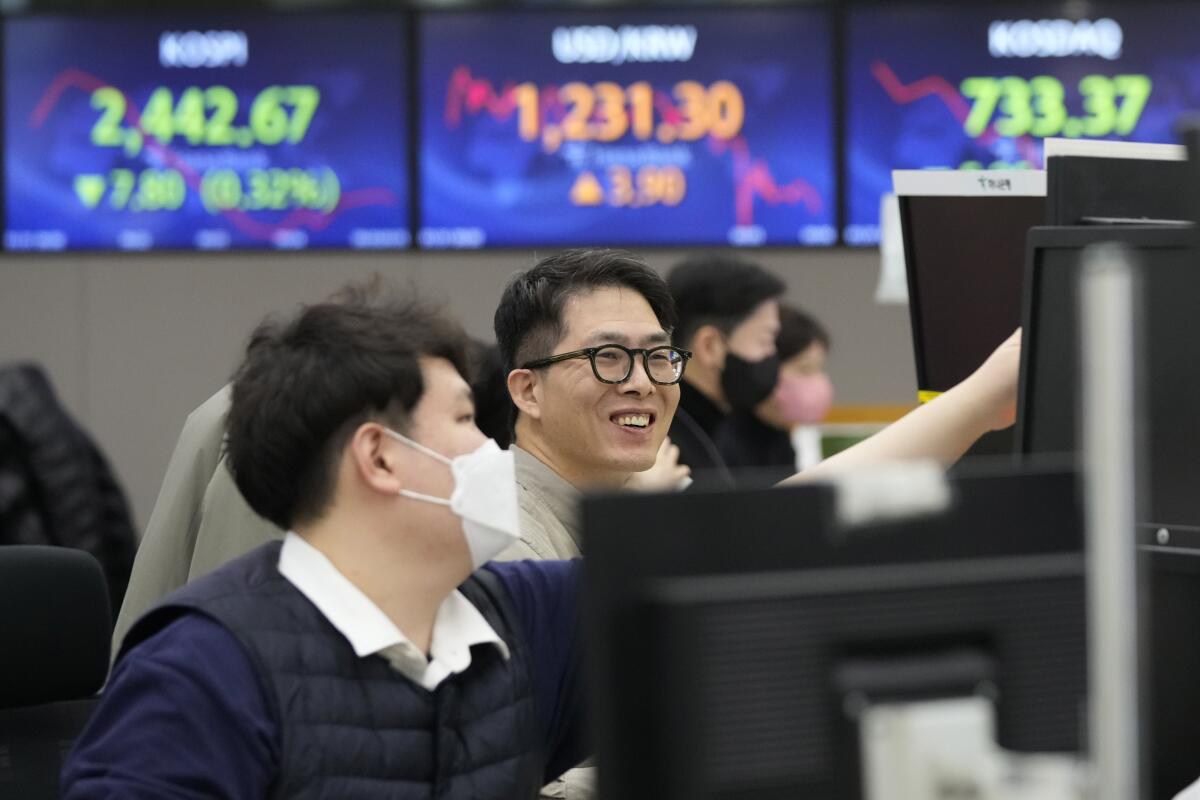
592 432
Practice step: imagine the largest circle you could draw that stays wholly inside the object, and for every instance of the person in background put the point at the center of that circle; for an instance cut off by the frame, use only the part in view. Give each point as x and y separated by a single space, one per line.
728 318
371 652
780 435
56 486
728 313
493 406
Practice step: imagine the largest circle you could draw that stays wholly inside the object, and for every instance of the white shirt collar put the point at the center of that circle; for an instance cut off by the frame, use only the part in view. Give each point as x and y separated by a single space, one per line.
457 627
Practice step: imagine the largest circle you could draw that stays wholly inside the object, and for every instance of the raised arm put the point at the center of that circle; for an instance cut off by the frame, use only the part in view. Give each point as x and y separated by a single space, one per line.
944 428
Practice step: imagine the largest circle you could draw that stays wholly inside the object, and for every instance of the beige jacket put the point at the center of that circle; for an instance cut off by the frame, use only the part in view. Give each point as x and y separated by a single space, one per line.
549 512
199 521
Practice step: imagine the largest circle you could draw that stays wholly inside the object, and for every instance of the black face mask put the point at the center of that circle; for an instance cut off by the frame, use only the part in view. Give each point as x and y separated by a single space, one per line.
748 383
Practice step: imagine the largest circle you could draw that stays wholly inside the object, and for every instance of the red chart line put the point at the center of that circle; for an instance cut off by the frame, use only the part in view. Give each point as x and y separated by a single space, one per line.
936 86
753 179
467 93
309 219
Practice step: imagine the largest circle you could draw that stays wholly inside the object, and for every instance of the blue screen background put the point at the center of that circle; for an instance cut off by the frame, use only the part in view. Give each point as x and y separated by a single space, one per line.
357 132
481 180
930 49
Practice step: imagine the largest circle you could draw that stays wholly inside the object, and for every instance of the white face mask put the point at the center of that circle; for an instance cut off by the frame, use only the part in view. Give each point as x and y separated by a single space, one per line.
484 496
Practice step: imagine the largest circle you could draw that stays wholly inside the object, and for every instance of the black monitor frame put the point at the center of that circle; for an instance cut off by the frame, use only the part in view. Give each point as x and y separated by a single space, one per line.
1142 240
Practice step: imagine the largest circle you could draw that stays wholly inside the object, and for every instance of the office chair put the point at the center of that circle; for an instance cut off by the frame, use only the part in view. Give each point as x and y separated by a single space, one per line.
54 639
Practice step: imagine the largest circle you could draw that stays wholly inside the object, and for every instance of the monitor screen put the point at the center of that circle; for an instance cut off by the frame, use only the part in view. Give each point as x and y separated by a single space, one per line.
1048 415
966 263
980 85
208 132
697 127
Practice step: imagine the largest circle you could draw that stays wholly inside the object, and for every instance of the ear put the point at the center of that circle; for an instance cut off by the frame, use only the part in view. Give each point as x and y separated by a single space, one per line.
708 347
524 387
374 458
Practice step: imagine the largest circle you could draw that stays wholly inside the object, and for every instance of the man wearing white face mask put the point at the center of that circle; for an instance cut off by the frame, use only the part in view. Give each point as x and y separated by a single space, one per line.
483 497
366 655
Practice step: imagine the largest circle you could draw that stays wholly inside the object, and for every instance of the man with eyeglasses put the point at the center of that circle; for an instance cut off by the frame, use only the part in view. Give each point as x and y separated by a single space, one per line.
585 337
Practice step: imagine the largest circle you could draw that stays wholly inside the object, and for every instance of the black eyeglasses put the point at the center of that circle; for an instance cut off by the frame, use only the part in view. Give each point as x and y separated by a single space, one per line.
613 363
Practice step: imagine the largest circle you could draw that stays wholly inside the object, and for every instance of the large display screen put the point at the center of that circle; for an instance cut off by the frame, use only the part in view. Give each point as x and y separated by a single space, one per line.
212 133
962 86
627 127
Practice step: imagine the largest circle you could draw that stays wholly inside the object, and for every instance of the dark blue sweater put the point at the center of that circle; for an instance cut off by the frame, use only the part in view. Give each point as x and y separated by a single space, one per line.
184 713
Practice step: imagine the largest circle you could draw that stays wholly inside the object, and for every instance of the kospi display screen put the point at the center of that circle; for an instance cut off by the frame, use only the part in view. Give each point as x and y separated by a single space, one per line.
963 86
627 127
207 132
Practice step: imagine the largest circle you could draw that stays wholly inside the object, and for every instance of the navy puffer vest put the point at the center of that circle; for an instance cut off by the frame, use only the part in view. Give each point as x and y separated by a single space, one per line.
353 727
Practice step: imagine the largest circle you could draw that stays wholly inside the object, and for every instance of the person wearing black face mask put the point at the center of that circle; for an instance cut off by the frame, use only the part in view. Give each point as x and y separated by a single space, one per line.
769 443
728 317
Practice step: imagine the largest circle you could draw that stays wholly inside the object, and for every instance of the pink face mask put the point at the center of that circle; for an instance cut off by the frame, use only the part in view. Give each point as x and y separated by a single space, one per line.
803 399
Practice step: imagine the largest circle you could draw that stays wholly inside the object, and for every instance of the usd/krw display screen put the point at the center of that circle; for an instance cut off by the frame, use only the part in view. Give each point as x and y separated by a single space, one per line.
627 127
209 133
980 86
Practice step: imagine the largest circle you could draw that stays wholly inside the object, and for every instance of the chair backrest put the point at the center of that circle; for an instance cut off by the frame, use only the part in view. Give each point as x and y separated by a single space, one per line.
34 743
55 626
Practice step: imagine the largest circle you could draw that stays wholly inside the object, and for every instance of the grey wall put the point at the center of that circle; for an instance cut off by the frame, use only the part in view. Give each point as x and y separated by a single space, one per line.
133 343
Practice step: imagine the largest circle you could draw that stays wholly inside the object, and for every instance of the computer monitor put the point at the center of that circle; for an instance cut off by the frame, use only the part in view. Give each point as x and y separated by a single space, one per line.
964 251
732 636
1169 529
552 126
964 243
1047 413
1104 183
206 128
1171 562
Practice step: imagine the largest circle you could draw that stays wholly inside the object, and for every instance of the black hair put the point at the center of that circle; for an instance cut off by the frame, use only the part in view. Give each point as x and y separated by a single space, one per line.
307 383
797 332
718 289
529 320
493 405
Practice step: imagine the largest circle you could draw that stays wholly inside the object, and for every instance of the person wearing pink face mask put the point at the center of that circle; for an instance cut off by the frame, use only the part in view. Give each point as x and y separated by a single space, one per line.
766 444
